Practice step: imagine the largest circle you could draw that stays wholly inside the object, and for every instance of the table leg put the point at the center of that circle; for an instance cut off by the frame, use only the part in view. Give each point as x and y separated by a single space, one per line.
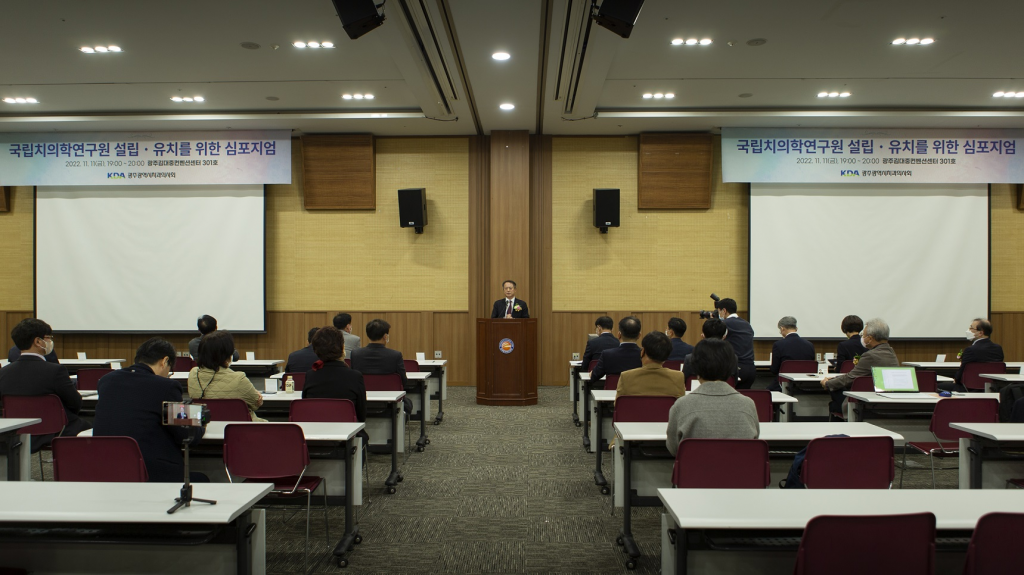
626 536
395 477
13 448
243 542
575 394
681 551
586 418
441 384
422 442
598 471
976 452
351 529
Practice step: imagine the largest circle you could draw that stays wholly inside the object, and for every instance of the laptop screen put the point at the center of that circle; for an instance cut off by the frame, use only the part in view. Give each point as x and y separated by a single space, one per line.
894 378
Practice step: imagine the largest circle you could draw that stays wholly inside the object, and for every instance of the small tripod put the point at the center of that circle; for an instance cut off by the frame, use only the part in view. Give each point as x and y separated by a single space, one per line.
186 499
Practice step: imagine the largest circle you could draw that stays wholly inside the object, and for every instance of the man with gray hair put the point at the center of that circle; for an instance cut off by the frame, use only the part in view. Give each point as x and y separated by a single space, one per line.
790 347
875 338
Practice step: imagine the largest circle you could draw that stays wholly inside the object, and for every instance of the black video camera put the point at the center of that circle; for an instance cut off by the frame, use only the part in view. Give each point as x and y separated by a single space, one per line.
713 314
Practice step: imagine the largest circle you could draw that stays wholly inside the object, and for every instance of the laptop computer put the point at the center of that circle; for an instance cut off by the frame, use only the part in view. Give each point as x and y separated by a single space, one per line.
896 381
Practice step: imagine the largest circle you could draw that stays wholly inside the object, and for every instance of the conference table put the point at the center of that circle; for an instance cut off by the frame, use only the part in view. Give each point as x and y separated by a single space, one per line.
575 389
108 528
786 437
991 378
988 443
73 365
954 364
871 400
752 519
15 447
438 370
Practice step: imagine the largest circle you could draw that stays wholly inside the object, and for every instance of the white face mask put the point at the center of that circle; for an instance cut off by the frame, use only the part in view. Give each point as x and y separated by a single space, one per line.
970 335
48 346
862 342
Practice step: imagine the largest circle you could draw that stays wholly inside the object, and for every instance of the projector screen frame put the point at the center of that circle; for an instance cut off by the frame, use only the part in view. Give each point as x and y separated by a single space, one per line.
35 310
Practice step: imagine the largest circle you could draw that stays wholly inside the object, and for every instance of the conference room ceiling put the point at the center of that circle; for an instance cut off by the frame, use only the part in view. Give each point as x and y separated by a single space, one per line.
191 48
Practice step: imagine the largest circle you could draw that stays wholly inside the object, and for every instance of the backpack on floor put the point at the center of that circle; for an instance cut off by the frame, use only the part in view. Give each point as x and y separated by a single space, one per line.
1007 397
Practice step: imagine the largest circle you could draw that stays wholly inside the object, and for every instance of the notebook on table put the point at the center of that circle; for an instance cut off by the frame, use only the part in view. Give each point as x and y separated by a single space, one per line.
897 382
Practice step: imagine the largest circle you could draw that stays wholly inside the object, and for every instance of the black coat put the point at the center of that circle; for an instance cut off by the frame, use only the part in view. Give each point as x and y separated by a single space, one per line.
741 336
500 306
597 345
680 349
375 359
30 375
790 347
15 353
616 360
849 349
131 403
301 360
335 380
981 351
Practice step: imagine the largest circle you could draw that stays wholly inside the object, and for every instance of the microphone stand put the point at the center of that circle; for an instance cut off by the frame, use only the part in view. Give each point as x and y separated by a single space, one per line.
185 498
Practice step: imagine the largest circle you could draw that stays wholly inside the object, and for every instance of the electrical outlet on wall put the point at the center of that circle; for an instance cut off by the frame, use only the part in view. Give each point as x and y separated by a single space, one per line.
437 354
576 356
817 357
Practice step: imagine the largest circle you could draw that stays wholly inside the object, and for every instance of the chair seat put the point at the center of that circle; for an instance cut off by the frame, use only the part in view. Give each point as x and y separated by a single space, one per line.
933 448
1017 482
283 485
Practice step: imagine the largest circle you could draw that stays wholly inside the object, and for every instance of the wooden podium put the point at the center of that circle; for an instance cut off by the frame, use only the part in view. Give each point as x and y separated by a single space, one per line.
506 361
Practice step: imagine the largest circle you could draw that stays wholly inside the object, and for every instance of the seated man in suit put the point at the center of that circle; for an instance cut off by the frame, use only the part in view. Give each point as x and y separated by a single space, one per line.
981 350
604 340
651 378
712 329
301 360
625 357
875 338
509 307
15 353
714 410
343 321
851 348
676 331
741 336
377 359
206 324
33 375
131 404
791 346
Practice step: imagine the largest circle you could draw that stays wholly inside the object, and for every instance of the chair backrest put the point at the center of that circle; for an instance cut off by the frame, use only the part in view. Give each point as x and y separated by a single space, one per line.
322 409
227 409
298 378
927 381
882 544
348 362
389 382
849 463
970 378
593 364
184 363
88 378
863 383
265 450
961 410
643 408
847 366
722 464
411 365
798 366
763 401
673 364
113 459
611 382
48 408
995 545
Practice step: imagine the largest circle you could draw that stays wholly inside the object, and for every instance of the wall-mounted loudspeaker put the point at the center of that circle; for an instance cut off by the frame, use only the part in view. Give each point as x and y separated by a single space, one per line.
619 16
606 208
412 208
358 16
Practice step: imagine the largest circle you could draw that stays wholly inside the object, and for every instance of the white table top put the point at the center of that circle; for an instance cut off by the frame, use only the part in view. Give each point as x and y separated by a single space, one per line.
771 431
372 396
256 362
70 502
432 362
1003 376
762 363
993 431
952 364
872 397
314 431
817 377
585 376
576 363
793 508
81 362
413 375
13 424
606 395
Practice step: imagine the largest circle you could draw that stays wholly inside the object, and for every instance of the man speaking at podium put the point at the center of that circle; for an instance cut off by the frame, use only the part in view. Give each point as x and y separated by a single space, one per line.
509 307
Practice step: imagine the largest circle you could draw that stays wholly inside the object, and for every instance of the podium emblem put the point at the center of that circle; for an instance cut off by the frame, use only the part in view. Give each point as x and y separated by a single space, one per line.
506 345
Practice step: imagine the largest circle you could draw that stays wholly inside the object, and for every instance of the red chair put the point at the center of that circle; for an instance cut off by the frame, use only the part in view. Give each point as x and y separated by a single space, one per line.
762 401
927 381
226 409
411 365
389 382
884 544
995 545
106 459
847 366
863 383
274 453
348 362
184 363
322 409
643 408
972 381
611 382
951 410
48 408
827 464
88 378
722 464
673 364
298 378
593 364
797 366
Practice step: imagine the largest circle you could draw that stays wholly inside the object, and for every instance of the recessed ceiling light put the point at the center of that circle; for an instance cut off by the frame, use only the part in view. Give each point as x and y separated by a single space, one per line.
21 101
114 48
368 96
677 41
912 41
313 44
9 100
326 44
658 95
926 41
844 94
823 94
176 98
669 96
507 107
705 41
899 41
833 94
100 48
31 100
187 99
648 96
87 49
997 95
1019 95
501 56
346 96
357 96
692 41
199 99
299 44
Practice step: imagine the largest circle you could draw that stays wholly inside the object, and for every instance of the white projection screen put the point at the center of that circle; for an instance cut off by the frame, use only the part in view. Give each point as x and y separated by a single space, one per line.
150 258
914 255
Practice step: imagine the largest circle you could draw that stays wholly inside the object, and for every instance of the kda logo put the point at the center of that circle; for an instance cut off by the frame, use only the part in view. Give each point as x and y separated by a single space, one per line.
115 176
849 173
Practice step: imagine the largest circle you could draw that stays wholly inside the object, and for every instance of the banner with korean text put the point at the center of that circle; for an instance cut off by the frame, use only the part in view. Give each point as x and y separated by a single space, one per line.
906 156
157 158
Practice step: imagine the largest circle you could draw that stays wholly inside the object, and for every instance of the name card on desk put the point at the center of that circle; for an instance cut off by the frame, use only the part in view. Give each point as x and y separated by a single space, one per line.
250 355
420 356
81 355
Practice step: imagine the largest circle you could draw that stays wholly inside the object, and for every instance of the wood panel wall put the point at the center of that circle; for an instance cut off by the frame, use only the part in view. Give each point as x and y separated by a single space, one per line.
510 211
338 172
675 171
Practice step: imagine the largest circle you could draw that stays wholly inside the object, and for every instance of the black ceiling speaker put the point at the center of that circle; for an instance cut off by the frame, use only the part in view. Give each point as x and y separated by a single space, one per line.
606 209
358 16
412 208
619 16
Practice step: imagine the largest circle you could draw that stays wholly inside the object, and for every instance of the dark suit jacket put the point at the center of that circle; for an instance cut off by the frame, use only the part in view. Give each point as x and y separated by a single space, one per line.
375 359
33 376
15 353
741 336
335 380
981 351
616 360
597 345
301 360
790 347
499 309
680 349
131 403
849 349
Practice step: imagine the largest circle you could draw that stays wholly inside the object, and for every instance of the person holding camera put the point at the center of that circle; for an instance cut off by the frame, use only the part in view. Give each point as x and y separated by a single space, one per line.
741 336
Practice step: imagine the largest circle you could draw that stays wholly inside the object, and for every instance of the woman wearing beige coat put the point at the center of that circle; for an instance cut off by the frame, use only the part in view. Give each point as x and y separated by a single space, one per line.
213 379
